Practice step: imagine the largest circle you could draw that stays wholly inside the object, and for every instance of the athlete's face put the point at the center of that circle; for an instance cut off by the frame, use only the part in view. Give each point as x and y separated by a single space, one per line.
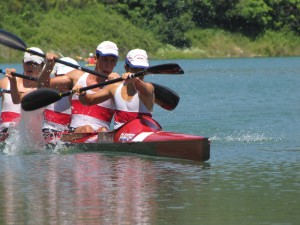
32 68
106 64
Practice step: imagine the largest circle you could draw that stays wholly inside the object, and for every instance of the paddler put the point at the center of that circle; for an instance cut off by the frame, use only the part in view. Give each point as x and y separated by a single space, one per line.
32 66
57 116
97 117
91 59
132 97
30 124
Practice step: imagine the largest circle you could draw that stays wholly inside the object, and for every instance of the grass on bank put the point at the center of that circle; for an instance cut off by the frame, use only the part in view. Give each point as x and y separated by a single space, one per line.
76 32
213 43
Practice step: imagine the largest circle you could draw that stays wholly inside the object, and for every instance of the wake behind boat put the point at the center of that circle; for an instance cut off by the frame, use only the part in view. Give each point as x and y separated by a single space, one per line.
142 135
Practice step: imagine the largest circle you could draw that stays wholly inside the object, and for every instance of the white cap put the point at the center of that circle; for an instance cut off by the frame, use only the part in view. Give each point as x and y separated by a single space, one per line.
91 55
107 48
62 69
28 57
137 58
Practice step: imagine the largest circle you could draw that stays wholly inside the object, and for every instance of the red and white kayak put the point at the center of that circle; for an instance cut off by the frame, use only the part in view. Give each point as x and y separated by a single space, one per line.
142 135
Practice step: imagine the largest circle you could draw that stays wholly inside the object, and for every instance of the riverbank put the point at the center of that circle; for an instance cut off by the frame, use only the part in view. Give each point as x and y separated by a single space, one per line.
65 33
214 43
206 44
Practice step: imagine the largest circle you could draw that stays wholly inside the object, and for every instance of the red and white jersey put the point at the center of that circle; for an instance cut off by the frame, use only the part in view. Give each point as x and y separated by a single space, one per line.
11 112
57 116
97 116
128 110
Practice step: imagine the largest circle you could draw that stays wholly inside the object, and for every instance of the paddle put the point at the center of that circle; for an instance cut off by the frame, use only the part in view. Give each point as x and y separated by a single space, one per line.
46 96
12 41
16 75
4 90
164 97
20 75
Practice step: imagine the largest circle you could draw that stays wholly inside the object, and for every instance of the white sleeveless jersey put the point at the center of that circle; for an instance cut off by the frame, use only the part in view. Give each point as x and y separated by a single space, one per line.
57 116
128 110
11 112
97 116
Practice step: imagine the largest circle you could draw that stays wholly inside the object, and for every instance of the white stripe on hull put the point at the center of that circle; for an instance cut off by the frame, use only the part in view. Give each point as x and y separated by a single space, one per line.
140 137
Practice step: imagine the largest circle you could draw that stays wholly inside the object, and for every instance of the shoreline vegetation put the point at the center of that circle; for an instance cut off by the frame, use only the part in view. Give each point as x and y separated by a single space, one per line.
76 31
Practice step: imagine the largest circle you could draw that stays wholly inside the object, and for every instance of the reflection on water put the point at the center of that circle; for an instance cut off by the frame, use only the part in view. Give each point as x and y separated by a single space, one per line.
94 188
87 188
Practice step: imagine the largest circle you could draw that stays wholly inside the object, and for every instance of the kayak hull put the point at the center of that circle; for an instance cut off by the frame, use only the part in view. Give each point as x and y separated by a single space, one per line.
142 135
196 150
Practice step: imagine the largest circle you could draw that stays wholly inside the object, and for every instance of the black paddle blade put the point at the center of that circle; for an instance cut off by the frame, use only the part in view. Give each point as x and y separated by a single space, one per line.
11 40
39 98
165 97
169 68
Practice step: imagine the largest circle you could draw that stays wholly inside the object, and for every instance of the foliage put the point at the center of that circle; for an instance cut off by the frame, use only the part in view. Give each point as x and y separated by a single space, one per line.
171 20
76 32
251 16
285 14
195 28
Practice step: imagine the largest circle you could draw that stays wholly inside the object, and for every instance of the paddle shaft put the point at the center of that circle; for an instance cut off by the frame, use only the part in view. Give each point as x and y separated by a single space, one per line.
46 96
21 75
4 90
142 73
169 102
15 42
169 68
101 84
164 97
68 64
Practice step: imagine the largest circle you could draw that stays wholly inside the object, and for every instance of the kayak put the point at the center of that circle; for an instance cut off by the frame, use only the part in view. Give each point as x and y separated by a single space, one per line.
142 135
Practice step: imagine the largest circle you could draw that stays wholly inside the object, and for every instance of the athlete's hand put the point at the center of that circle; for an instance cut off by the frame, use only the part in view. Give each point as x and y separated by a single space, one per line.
8 73
76 90
113 76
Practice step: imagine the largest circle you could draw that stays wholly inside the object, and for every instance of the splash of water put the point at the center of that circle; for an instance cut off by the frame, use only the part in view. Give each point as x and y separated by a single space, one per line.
26 136
242 136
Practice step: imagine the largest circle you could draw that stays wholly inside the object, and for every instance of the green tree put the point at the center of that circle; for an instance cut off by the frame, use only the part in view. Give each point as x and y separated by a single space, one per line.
285 13
169 20
250 17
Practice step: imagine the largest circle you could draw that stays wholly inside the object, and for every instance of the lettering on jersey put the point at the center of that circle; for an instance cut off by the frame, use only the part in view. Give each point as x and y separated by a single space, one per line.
126 137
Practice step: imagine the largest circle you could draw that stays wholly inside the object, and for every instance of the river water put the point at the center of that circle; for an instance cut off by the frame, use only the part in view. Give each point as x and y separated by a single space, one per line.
249 108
